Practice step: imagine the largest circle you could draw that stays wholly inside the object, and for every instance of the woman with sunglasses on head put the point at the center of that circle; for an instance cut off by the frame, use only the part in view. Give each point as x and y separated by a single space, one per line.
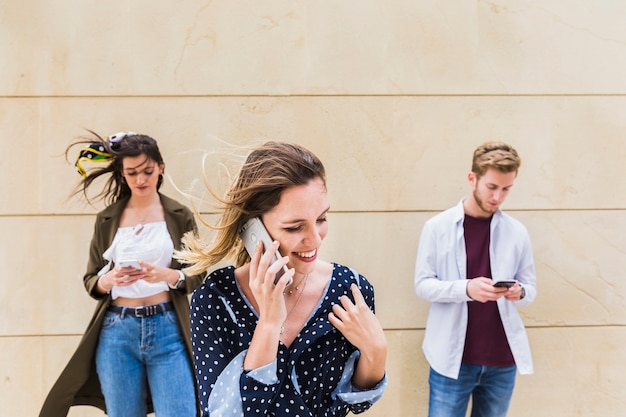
304 343
135 355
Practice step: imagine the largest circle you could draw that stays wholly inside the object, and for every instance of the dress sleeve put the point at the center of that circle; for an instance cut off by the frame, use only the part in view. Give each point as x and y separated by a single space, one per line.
224 387
358 400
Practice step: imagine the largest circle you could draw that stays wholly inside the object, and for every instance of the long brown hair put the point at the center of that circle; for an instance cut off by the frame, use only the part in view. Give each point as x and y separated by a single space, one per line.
268 171
115 188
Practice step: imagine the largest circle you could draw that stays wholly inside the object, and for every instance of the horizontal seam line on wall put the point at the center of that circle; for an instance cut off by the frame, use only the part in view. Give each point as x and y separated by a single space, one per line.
436 95
527 210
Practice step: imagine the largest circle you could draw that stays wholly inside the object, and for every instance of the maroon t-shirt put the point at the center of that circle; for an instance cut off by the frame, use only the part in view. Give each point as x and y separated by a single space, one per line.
485 341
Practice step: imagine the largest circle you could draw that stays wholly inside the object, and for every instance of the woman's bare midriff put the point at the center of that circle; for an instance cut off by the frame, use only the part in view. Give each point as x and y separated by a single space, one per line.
159 298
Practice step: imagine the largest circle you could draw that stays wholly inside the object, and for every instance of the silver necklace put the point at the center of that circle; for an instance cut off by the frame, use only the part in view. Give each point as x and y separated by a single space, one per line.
142 218
297 286
305 279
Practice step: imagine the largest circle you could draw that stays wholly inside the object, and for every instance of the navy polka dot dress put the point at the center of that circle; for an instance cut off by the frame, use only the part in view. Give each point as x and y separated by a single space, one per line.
312 377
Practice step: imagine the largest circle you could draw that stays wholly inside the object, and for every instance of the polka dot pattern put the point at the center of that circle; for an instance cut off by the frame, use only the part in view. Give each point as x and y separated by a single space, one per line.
310 378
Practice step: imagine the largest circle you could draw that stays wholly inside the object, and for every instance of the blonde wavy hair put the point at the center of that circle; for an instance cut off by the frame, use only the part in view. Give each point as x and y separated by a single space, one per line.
267 171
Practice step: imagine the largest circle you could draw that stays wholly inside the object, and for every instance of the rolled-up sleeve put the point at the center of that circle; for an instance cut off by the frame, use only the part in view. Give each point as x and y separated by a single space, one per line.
358 400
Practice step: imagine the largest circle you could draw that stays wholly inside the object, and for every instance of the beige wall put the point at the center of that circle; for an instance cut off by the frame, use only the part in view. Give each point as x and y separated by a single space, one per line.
393 96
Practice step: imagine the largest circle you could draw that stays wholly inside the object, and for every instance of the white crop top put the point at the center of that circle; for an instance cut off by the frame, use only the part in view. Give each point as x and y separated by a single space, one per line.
150 242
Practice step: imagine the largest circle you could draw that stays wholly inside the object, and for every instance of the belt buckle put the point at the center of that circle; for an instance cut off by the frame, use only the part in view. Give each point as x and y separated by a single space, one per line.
147 311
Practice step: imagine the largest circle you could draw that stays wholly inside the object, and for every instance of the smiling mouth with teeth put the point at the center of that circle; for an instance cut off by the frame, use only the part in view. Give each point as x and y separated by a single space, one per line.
308 254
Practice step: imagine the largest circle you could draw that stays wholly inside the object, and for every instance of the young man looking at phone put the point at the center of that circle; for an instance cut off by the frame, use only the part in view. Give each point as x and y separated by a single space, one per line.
475 340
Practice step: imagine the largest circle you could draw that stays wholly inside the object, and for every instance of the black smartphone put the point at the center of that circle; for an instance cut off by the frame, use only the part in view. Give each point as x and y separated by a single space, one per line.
504 284
254 231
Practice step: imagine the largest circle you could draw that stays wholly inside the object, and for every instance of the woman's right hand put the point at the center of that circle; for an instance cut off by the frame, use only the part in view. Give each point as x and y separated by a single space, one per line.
120 277
270 304
269 296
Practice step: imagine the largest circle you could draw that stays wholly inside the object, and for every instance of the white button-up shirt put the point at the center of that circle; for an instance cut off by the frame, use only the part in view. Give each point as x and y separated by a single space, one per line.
441 278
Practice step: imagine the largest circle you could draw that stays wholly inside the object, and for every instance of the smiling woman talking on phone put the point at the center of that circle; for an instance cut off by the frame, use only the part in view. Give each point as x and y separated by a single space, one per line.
135 355
305 345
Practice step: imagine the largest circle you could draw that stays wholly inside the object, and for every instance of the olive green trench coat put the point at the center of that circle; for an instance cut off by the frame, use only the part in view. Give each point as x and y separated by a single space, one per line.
78 384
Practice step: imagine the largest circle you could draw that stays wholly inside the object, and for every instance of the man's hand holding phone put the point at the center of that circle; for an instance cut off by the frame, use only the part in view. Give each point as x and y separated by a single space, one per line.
482 289
504 284
515 291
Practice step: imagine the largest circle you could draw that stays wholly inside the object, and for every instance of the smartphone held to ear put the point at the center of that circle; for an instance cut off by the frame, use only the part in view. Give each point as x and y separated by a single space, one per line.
251 233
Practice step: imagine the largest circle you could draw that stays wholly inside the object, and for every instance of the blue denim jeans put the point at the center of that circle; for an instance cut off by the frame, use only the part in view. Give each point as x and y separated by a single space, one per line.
489 387
137 355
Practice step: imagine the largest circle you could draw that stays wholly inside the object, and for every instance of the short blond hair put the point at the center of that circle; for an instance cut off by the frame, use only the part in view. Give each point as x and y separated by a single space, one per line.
498 155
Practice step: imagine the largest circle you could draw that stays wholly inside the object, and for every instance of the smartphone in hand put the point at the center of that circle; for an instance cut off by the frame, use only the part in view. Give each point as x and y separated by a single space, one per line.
130 263
504 284
254 231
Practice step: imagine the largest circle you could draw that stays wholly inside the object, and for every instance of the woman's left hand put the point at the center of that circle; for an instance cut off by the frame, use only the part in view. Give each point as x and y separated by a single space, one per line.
154 273
356 321
360 326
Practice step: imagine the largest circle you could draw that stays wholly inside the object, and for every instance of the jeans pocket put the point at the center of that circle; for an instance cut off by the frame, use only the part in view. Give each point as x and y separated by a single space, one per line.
171 317
110 320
